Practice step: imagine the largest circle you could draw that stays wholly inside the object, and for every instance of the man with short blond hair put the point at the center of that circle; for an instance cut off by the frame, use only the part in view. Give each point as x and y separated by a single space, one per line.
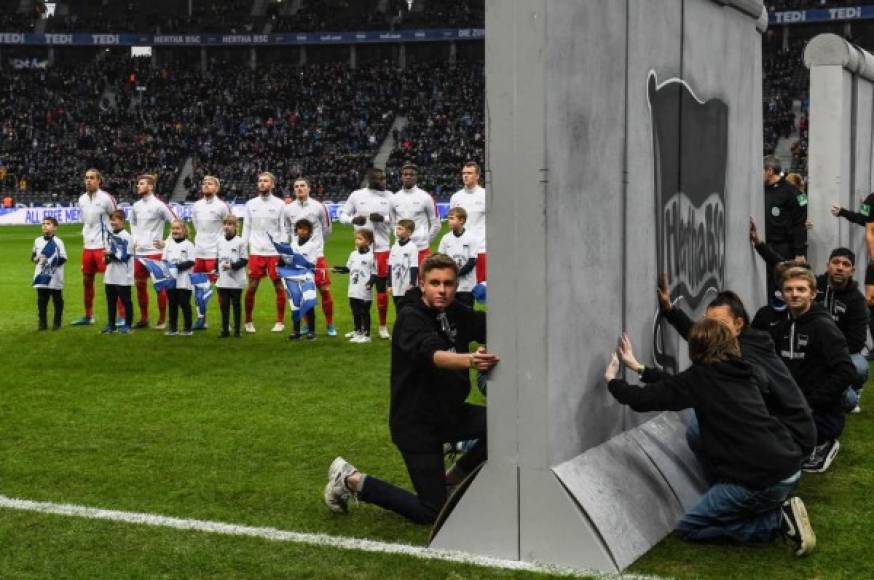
207 215
472 197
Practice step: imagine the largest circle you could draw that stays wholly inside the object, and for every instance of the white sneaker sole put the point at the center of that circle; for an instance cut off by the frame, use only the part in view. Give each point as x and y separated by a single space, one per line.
805 530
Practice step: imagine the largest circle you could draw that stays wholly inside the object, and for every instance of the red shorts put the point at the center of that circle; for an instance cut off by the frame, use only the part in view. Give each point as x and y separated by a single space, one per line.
260 266
323 274
381 259
481 267
93 261
140 271
207 266
424 254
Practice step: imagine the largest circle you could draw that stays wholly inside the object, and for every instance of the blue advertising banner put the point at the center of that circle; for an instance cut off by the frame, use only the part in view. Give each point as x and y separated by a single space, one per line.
288 38
821 15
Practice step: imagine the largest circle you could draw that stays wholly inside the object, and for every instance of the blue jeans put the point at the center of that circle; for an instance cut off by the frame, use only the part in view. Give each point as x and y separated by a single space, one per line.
861 365
733 512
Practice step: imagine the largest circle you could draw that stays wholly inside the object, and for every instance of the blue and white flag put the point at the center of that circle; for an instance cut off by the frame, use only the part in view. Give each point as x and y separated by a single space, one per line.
118 248
162 273
52 255
300 286
288 255
479 292
202 292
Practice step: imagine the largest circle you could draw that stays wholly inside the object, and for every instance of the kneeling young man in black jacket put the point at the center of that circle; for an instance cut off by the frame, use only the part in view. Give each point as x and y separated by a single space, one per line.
815 351
430 382
752 456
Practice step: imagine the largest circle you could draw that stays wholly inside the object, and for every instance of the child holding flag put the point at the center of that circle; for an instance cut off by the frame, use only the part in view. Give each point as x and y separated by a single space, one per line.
305 246
179 252
362 277
119 275
49 255
403 263
232 259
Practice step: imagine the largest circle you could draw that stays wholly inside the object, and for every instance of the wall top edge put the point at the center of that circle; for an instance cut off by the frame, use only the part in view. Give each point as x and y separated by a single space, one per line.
755 9
832 50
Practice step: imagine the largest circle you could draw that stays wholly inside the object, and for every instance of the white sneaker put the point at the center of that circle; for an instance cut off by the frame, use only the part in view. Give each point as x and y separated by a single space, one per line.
161 326
383 333
250 327
278 327
351 334
336 493
361 339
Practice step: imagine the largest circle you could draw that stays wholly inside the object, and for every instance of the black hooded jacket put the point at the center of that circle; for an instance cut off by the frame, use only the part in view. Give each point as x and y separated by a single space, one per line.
743 442
779 390
848 309
815 351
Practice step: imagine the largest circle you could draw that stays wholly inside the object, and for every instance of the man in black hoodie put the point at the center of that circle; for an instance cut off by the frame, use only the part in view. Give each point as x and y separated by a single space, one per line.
865 218
785 215
839 293
815 351
752 456
780 391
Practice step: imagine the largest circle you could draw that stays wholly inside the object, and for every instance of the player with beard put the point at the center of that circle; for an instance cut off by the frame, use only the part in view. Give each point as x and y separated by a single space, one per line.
207 215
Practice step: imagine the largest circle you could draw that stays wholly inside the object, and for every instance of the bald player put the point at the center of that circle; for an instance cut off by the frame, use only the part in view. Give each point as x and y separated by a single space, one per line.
411 202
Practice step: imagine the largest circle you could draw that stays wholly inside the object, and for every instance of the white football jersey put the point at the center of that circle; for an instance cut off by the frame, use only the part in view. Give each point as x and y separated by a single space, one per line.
94 213
415 204
57 281
400 260
364 202
263 216
207 215
228 252
310 250
361 268
313 211
147 219
176 253
474 203
120 273
461 249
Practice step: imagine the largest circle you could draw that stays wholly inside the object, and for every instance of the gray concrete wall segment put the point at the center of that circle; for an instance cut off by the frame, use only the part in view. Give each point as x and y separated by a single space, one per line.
556 529
863 107
750 8
585 124
829 158
624 495
831 49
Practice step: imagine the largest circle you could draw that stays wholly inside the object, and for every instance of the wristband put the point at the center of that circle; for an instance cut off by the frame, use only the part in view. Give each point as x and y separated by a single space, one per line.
472 361
641 370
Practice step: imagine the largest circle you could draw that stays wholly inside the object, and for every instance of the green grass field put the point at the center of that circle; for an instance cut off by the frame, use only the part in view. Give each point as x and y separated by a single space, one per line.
242 431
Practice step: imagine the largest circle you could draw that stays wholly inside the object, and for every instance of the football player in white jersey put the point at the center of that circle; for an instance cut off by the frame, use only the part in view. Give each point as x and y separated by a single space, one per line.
370 208
95 205
305 207
207 215
263 220
148 217
472 198
412 203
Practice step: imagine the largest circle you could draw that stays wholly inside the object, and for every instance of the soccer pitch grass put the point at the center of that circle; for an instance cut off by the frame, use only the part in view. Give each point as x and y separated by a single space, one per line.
242 432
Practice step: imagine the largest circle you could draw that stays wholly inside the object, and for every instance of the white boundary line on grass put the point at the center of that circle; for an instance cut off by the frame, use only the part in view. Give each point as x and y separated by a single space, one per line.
273 534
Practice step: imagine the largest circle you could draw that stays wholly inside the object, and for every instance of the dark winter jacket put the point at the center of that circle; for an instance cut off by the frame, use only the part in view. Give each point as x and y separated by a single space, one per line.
848 309
743 443
779 390
785 216
815 351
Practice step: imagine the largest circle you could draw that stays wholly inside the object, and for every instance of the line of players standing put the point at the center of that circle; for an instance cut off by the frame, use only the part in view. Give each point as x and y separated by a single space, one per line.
267 219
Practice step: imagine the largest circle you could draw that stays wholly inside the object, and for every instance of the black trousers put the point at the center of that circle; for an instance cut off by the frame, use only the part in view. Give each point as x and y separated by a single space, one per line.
180 298
829 425
114 293
361 315
43 295
310 318
427 473
229 297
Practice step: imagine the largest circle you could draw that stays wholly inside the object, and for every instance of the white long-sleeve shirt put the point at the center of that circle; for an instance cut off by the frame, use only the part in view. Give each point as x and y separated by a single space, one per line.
120 273
94 213
177 253
313 211
229 251
263 215
417 205
207 215
364 202
57 280
474 203
147 218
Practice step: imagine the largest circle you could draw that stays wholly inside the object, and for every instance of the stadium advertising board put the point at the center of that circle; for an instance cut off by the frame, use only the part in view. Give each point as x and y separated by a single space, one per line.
821 15
289 38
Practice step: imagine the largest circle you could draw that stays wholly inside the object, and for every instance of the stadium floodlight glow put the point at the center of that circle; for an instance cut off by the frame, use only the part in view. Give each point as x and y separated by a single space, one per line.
140 51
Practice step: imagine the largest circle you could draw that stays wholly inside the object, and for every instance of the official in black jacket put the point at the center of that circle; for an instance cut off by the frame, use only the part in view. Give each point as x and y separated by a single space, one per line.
815 351
754 458
785 213
430 382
